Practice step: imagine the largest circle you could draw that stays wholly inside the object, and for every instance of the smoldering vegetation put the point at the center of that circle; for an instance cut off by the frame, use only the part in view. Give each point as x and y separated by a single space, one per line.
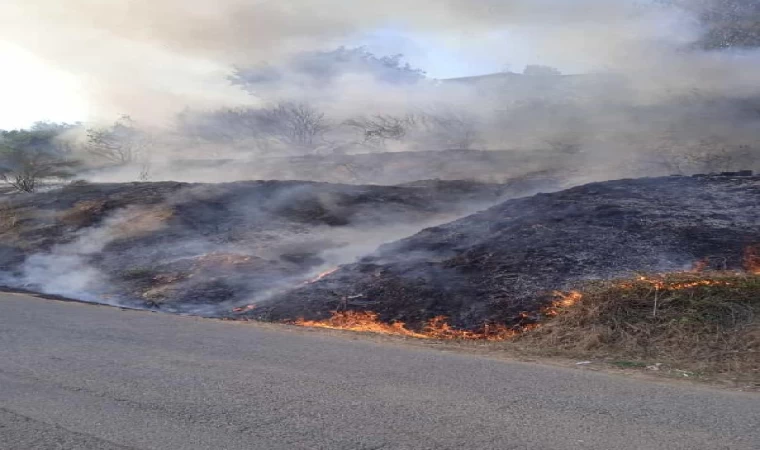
583 127
504 265
204 248
661 87
185 95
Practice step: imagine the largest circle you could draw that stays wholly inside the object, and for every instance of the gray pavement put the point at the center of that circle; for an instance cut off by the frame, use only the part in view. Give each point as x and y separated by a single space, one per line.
76 376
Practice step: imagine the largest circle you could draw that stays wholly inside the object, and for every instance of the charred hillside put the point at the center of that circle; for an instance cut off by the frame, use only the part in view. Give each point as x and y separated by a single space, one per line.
496 265
205 248
544 166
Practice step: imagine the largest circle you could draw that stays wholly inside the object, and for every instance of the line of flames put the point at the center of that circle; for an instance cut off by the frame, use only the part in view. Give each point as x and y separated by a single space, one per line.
321 275
752 259
438 327
662 284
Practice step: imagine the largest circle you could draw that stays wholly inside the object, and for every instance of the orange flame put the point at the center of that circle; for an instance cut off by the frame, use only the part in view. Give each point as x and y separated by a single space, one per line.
365 321
564 300
752 259
661 284
321 275
437 327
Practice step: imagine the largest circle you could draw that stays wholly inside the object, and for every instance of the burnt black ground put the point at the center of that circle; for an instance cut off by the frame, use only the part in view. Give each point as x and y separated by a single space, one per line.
494 265
204 248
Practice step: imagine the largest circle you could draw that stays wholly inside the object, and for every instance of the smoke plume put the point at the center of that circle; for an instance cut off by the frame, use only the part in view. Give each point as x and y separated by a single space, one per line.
150 58
650 94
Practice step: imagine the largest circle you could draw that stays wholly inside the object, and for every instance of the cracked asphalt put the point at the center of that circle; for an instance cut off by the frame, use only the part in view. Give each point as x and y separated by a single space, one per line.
75 376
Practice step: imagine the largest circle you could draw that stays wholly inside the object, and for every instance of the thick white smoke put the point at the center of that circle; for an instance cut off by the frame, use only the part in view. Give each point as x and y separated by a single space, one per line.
151 58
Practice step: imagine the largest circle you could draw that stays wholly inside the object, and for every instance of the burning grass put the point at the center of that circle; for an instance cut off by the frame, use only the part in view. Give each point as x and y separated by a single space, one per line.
706 321
752 259
435 328
438 327
703 321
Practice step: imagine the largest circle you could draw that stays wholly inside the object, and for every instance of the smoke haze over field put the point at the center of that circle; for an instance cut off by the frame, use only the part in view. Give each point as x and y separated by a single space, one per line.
163 55
241 90
651 90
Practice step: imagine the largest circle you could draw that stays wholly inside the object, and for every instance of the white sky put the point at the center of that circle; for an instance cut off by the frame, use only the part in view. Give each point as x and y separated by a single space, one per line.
450 57
32 91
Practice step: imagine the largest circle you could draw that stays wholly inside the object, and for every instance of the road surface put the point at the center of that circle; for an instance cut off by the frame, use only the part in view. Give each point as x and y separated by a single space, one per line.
76 376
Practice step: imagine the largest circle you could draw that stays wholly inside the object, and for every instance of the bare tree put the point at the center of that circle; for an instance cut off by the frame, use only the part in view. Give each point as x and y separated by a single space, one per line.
285 124
440 128
297 124
228 125
121 143
24 168
453 130
378 129
27 156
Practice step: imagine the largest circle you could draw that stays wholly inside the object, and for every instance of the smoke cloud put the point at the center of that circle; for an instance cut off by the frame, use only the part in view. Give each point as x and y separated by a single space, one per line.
649 92
150 58
649 101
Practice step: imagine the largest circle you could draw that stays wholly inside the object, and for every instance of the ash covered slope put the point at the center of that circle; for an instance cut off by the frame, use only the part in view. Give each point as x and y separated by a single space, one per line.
192 247
494 265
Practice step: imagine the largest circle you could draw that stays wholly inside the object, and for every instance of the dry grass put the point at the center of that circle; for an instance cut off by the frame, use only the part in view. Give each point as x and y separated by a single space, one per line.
706 322
9 217
129 222
83 213
139 221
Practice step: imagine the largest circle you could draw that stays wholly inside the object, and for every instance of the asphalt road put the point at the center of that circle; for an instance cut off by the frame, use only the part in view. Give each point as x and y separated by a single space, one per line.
76 376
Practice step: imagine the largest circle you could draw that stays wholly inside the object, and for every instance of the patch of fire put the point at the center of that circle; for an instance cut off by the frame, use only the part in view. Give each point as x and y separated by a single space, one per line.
321 276
438 327
563 300
659 282
243 309
752 259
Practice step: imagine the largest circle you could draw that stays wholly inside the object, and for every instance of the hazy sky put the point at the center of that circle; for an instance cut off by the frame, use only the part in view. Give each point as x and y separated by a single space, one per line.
153 57
445 57
32 90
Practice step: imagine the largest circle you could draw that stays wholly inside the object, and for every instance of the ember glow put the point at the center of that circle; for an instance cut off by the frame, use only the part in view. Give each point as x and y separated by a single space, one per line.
437 327
563 300
365 321
661 284
752 259
322 275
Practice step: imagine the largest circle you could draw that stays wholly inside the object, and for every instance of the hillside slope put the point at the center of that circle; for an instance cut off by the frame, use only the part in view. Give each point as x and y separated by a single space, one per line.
495 266
205 248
